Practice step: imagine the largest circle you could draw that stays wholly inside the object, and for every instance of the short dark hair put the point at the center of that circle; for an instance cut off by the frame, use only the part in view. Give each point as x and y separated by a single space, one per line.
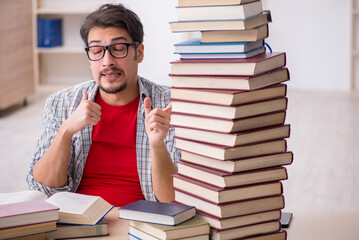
113 15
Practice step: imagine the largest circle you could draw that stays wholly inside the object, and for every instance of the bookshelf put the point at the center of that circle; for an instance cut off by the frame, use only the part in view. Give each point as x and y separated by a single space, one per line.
17 80
66 64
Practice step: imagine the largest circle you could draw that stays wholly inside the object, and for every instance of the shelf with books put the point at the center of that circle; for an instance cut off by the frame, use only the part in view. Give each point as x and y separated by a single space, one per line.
55 64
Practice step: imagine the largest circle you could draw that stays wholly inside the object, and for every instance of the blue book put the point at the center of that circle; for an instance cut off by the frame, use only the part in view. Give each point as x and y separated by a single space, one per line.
157 212
232 55
49 32
194 46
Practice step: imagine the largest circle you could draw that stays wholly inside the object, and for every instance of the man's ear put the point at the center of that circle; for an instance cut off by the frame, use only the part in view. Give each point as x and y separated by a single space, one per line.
140 52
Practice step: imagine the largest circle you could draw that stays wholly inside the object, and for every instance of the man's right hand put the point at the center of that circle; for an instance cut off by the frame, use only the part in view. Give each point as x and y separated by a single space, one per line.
87 113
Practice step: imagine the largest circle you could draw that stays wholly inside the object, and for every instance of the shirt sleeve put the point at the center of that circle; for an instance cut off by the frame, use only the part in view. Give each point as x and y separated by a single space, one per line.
170 140
51 124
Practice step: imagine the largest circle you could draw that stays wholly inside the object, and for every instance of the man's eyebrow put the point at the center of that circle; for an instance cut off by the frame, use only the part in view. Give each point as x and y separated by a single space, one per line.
118 38
94 41
112 40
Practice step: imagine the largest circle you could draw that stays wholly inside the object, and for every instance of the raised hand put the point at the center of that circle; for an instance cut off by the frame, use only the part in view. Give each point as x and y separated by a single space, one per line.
87 113
157 123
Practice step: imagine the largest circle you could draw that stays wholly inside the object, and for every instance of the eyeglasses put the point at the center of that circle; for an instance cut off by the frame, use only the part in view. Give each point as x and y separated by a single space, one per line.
117 50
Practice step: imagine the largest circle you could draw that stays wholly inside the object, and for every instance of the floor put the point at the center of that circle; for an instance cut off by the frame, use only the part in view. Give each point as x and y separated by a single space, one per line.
324 139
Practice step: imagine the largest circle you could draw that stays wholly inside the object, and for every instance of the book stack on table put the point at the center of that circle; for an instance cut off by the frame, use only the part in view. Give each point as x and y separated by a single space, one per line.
32 215
29 218
158 220
229 106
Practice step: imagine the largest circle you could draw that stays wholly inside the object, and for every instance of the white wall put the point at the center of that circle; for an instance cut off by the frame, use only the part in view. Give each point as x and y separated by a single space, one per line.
314 34
158 40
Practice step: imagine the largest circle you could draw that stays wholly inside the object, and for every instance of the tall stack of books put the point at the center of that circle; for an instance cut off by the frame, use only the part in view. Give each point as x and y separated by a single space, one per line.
228 109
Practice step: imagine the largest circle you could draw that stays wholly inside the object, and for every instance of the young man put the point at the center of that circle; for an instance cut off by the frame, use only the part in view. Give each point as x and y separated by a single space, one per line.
109 137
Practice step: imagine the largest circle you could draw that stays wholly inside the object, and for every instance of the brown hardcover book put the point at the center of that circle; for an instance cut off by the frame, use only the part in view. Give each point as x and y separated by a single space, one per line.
28 212
25 230
78 231
230 112
215 24
246 231
281 235
221 195
245 67
228 97
40 236
193 3
187 229
227 125
230 82
233 82
219 12
238 221
241 164
227 153
234 139
231 209
224 179
249 35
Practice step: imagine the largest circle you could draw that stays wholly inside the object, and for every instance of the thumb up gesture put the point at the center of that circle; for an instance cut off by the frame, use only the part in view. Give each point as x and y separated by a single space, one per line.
87 113
157 122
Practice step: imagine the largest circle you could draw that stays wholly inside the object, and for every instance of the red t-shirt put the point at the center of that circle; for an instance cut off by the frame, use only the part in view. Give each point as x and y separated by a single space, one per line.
111 166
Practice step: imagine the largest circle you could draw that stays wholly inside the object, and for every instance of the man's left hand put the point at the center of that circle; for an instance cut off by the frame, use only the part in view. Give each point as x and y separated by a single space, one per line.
157 123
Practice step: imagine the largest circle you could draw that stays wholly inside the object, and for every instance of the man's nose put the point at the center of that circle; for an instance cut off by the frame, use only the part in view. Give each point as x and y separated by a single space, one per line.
108 60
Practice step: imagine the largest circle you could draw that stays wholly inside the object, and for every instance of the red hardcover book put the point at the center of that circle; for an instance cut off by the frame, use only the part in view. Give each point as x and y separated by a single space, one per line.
241 164
245 67
230 112
238 221
226 179
215 24
230 82
246 231
28 212
227 153
231 209
229 194
228 97
226 125
234 139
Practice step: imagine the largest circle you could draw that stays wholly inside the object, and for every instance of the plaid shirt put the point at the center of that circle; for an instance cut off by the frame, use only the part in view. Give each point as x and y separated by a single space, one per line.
60 105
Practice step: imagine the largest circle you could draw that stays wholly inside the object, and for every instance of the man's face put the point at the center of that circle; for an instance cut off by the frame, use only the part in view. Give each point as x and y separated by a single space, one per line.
111 74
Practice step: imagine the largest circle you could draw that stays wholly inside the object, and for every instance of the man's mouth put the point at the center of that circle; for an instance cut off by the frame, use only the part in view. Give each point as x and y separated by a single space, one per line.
111 74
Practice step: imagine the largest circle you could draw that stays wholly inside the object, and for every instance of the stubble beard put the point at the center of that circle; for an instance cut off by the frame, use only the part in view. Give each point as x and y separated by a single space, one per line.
116 89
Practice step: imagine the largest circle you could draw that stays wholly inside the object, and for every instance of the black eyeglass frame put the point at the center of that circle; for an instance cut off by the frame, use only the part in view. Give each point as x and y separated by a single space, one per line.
108 48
